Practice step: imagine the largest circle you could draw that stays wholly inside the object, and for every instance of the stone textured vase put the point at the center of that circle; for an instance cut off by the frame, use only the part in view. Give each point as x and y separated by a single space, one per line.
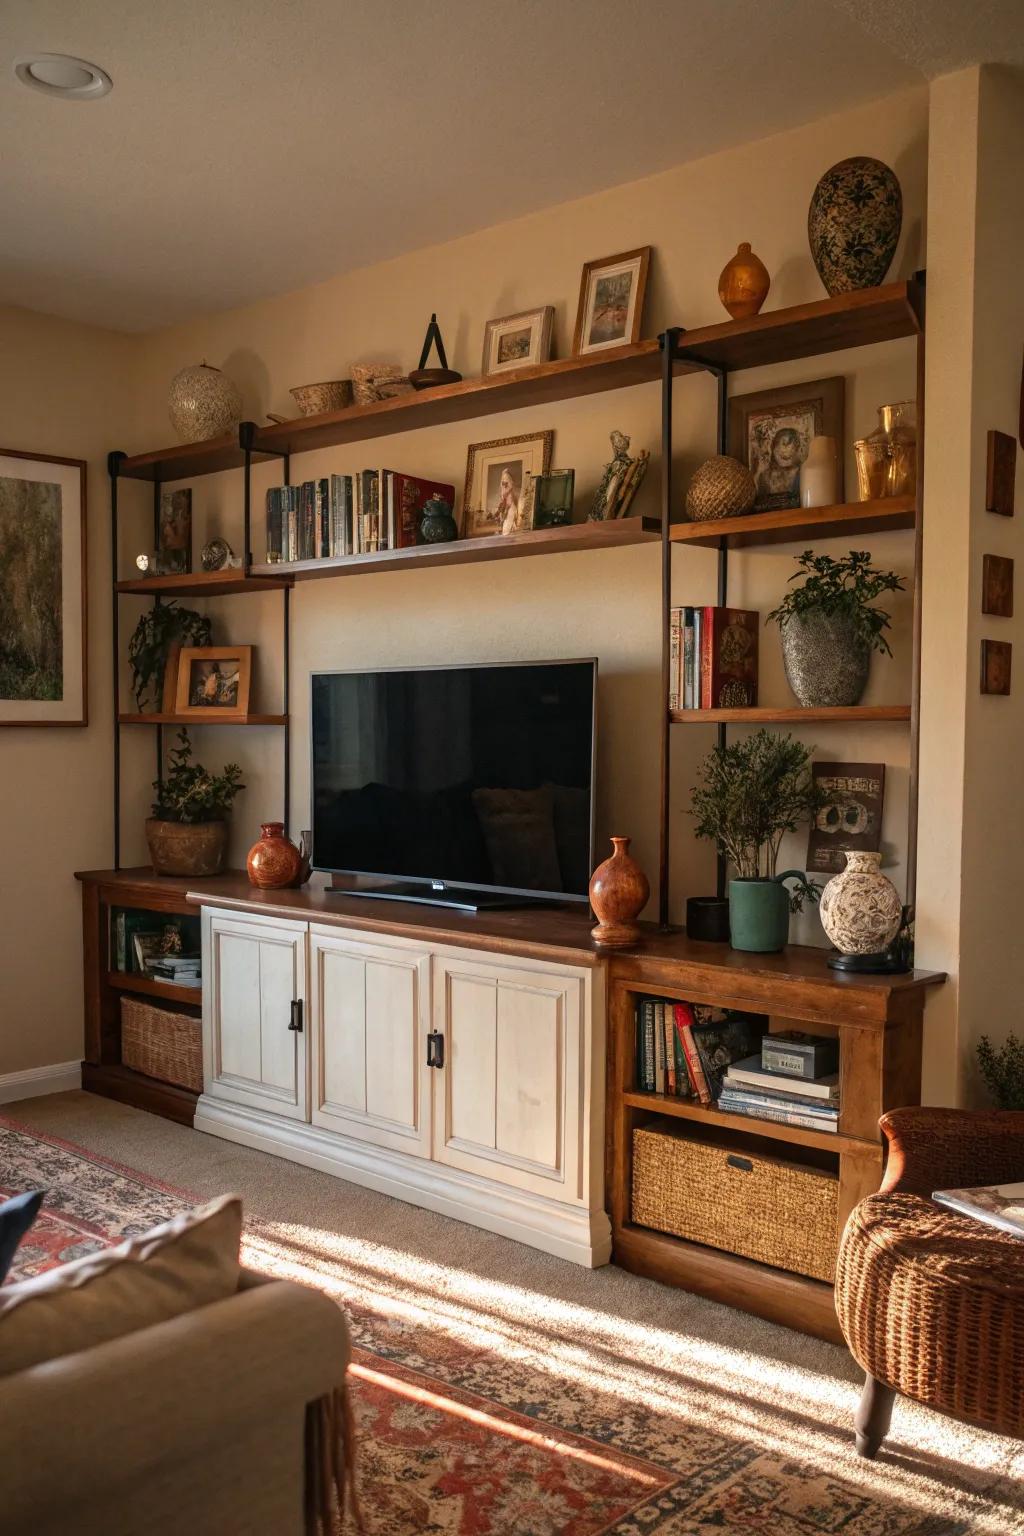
854 222
203 403
186 848
274 862
744 283
826 661
618 894
861 910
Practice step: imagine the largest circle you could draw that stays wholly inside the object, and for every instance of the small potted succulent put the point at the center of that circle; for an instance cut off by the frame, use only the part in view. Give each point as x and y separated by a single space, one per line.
752 792
188 831
830 626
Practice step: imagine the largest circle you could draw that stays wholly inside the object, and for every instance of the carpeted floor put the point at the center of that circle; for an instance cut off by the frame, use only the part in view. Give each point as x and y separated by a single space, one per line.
483 1353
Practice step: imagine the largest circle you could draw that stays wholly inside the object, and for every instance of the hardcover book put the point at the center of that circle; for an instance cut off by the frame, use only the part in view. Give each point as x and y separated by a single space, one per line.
721 1041
410 495
781 1116
750 1073
728 658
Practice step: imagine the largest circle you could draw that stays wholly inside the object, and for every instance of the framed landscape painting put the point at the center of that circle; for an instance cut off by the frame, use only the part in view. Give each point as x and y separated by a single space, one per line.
611 303
42 590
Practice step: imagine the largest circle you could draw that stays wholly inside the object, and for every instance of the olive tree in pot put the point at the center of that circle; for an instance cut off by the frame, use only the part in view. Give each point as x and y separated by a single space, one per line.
188 831
830 627
751 793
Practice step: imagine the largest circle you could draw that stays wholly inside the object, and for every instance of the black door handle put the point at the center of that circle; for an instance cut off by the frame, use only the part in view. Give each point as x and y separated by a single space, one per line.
295 1022
435 1049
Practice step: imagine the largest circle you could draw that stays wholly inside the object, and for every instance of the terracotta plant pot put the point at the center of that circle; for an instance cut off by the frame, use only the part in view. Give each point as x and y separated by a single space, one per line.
274 863
618 894
744 283
184 848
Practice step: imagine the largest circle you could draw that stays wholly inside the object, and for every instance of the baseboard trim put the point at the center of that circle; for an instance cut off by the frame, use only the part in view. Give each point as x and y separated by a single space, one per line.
569 1232
35 1081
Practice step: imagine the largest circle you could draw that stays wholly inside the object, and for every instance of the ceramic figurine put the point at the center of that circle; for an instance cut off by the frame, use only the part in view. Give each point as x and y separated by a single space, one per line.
437 525
744 283
618 894
612 479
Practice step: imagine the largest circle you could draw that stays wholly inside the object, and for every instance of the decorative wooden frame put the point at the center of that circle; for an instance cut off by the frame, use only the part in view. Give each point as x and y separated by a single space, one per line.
640 261
831 393
539 322
475 521
1000 473
996 658
190 654
33 712
997 586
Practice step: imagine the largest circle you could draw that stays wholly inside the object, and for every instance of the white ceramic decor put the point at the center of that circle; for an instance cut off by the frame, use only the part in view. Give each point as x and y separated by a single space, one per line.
860 908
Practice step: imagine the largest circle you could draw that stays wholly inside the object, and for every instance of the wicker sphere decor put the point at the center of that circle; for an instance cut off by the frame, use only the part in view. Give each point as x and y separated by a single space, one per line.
721 487
203 403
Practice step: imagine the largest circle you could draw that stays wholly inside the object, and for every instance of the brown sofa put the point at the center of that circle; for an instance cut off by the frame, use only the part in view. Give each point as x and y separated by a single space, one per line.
223 1422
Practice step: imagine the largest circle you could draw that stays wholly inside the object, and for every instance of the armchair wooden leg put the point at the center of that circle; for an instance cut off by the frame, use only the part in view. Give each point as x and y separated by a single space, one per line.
873 1416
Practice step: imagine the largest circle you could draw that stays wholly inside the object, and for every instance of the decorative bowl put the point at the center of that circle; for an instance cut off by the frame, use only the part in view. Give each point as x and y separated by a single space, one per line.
314 399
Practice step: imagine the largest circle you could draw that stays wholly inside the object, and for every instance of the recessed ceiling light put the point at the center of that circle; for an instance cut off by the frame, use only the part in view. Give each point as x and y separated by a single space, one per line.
60 75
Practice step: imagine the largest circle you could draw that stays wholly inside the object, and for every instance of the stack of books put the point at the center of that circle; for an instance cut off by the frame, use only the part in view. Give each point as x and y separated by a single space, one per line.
713 658
348 515
682 1049
181 970
793 1080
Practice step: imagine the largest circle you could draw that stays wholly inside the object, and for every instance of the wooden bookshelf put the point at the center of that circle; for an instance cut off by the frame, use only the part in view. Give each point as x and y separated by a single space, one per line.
865 714
847 520
147 986
208 717
187 461
686 1109
205 584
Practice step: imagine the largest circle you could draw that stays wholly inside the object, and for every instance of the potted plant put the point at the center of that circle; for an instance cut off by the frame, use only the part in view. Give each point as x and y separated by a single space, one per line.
751 793
188 831
830 627
159 634
1002 1067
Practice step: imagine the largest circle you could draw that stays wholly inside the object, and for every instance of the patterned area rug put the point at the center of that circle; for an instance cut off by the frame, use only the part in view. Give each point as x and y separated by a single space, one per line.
477 1422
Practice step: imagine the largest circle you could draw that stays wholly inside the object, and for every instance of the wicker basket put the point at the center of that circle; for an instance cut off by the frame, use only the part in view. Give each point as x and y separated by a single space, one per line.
162 1044
721 487
761 1207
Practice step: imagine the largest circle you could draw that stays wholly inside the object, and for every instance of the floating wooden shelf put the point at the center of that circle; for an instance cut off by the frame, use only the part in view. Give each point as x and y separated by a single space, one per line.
204 584
794 523
208 717
796 1135
147 986
186 461
807 330
792 715
539 541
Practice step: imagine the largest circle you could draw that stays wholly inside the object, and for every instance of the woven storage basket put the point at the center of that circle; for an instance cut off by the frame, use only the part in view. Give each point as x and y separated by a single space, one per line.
761 1207
165 1045
721 487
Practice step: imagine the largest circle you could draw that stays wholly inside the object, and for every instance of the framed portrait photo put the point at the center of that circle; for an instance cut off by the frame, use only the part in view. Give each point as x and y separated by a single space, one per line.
42 590
611 307
214 681
771 432
496 480
518 341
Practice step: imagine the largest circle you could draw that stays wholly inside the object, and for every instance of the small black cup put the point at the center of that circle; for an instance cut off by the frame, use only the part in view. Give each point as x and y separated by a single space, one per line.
707 919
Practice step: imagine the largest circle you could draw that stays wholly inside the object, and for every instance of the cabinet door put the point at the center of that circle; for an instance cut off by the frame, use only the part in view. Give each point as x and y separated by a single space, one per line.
508 1098
254 991
370 1007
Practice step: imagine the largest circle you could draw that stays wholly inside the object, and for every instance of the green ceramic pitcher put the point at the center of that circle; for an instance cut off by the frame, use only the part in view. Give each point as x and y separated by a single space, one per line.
759 913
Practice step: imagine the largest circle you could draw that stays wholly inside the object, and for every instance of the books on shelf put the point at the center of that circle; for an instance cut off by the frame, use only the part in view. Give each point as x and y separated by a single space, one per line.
682 1049
772 1086
340 515
752 1074
757 1107
795 1054
998 1205
713 658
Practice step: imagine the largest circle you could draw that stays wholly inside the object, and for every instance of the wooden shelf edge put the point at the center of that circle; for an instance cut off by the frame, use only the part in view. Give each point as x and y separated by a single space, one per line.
203 584
208 717
795 523
775 1294
748 1125
114 1081
766 715
147 986
187 461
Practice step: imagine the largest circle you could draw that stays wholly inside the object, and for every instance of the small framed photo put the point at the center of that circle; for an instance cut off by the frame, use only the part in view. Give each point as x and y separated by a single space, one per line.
518 341
496 479
214 681
771 432
611 304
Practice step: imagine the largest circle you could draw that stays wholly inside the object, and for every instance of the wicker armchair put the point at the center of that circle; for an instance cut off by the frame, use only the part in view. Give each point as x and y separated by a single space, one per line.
932 1303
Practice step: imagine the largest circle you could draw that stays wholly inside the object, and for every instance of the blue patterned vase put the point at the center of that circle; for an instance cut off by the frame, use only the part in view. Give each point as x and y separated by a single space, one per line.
854 222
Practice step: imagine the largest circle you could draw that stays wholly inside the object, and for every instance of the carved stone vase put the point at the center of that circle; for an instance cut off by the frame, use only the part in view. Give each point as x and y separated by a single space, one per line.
860 908
618 894
273 862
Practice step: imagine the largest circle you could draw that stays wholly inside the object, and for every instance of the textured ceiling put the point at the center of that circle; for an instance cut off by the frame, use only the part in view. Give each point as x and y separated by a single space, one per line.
254 146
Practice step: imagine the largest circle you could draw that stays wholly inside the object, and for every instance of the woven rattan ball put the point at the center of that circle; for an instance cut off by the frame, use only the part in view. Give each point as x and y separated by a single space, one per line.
721 487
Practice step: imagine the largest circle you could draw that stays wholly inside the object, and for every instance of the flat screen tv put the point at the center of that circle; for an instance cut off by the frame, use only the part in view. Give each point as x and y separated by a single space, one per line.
466 786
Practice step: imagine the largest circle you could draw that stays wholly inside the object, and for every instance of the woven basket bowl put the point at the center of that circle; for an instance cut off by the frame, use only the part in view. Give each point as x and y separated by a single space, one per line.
313 399
721 487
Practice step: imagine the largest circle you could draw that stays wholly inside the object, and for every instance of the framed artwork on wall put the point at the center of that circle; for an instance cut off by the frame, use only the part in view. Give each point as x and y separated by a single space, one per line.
43 672
611 307
771 431
214 681
496 479
518 341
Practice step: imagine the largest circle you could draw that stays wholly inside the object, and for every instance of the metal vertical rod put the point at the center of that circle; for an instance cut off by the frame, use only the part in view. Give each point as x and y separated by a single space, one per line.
286 651
918 611
668 341
157 486
113 468
247 509
721 864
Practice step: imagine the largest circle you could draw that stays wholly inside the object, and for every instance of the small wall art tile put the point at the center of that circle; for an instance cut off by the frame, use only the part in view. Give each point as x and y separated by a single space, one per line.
997 586
995 666
1001 473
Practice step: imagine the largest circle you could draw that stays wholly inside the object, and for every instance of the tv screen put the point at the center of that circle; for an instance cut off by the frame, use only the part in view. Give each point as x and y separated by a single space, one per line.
477 777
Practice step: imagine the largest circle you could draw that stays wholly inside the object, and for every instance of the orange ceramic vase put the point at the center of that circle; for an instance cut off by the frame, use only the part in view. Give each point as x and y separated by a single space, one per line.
744 283
274 862
618 894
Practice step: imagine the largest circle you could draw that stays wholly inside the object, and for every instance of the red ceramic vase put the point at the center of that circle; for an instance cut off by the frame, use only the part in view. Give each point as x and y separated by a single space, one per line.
618 894
274 862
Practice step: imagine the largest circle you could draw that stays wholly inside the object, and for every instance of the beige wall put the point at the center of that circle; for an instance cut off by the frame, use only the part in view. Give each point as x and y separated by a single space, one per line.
61 388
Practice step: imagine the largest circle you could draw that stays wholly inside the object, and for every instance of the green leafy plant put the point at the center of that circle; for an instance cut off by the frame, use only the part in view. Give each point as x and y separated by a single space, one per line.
191 793
844 588
164 625
751 793
1002 1067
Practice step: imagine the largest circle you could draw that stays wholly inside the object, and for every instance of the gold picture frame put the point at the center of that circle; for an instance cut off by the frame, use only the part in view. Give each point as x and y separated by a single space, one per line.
496 478
214 682
770 432
611 307
518 341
